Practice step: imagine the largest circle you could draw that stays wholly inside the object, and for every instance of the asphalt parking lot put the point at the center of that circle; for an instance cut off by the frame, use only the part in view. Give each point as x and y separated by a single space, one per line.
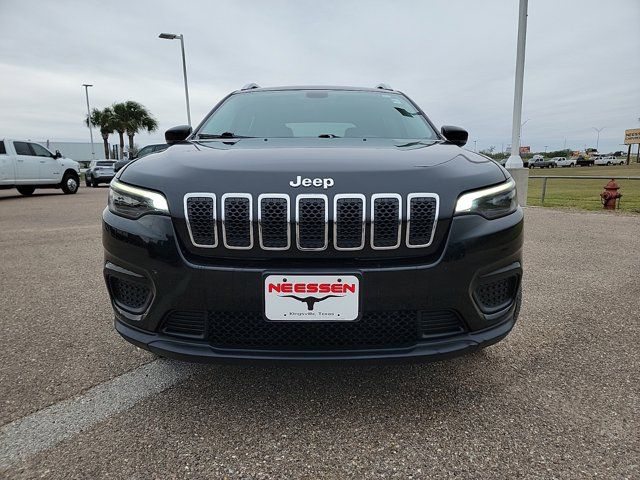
559 398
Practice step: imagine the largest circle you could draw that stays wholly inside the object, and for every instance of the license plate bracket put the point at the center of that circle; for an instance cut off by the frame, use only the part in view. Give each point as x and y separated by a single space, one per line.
311 297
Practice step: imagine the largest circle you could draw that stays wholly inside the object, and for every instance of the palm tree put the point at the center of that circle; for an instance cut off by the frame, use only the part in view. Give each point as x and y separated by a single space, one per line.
104 120
133 117
121 118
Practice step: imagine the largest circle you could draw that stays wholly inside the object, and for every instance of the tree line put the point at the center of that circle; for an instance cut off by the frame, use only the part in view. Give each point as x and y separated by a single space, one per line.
125 118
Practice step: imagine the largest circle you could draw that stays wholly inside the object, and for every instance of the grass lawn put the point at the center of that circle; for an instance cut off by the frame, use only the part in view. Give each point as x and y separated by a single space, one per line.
585 194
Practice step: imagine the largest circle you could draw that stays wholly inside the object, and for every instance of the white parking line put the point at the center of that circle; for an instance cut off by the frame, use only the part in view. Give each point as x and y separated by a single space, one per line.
49 426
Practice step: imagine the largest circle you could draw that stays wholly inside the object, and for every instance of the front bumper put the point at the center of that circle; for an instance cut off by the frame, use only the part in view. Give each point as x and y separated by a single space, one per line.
147 251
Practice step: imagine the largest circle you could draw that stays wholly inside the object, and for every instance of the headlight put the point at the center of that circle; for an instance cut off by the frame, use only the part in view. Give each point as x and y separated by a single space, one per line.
134 202
492 202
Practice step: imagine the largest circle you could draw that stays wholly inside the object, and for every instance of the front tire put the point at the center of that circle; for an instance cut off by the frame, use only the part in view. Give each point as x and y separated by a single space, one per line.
70 183
26 190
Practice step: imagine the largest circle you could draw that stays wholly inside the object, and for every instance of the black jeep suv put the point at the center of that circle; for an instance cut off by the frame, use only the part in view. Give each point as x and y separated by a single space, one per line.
309 224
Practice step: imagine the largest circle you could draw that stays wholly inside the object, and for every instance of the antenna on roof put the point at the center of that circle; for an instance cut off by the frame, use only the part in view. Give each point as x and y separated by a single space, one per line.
250 86
384 86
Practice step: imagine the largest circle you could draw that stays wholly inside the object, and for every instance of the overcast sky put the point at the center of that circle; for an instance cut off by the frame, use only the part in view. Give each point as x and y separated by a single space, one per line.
454 58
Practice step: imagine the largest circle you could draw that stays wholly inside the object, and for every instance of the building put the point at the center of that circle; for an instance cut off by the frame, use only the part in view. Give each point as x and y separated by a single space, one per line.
78 151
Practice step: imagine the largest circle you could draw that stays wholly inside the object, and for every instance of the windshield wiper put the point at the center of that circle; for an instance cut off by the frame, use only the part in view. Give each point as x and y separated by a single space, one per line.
328 135
206 136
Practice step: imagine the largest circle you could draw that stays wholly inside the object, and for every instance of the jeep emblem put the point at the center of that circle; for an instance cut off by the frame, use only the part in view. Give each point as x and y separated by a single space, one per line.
309 182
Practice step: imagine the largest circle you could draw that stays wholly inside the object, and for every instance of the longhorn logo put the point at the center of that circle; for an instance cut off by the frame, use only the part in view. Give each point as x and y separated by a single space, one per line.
310 301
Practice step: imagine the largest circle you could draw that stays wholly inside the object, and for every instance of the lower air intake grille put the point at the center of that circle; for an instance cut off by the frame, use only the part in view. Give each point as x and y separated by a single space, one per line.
312 223
439 323
188 324
392 329
250 330
129 295
496 294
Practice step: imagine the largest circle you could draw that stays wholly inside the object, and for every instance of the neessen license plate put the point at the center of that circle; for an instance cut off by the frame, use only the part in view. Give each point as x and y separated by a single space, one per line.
311 297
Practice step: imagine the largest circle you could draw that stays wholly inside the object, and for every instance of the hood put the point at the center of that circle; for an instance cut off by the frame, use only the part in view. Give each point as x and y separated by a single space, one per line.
257 165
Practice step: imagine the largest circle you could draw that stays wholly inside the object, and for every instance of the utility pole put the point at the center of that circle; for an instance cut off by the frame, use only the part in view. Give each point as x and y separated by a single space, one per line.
86 91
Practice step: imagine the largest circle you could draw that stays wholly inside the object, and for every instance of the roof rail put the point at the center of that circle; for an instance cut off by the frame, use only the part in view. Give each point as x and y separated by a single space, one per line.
250 86
384 86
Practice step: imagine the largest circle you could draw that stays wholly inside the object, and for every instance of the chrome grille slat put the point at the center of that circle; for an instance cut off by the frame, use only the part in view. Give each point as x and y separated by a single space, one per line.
312 218
237 221
200 216
273 221
386 217
422 217
349 210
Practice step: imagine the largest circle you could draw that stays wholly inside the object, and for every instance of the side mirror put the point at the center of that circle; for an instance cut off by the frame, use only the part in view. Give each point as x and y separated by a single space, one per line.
456 135
177 134
57 154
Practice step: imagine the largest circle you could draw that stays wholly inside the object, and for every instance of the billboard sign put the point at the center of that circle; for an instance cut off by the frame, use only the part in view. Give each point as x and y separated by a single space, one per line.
632 136
526 149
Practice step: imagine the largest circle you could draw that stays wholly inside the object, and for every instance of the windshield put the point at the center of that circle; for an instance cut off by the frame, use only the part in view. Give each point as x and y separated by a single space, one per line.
104 164
318 113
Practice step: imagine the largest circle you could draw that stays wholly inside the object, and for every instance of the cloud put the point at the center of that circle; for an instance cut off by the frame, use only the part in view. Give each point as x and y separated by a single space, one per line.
456 59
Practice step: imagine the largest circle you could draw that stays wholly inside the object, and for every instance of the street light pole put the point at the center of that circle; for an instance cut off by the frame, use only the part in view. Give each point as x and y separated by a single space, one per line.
598 137
86 91
515 161
173 36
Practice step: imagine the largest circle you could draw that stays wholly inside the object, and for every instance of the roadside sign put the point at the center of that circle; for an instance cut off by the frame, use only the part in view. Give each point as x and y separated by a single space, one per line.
632 136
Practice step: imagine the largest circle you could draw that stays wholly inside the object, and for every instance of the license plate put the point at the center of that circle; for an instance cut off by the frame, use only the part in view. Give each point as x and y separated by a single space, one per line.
315 298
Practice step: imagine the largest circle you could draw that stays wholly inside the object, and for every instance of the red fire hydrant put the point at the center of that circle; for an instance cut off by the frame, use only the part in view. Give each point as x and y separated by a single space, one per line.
610 195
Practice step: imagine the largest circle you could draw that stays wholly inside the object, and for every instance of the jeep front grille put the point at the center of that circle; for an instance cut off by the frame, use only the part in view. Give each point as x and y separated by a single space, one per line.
310 217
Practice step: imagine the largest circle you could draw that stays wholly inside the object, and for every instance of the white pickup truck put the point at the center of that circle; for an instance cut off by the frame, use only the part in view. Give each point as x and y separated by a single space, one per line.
608 160
565 161
28 165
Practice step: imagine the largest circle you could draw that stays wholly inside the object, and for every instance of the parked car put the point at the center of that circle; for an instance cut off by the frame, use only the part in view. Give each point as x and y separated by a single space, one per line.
144 151
388 241
538 161
609 160
565 161
583 161
99 171
28 165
